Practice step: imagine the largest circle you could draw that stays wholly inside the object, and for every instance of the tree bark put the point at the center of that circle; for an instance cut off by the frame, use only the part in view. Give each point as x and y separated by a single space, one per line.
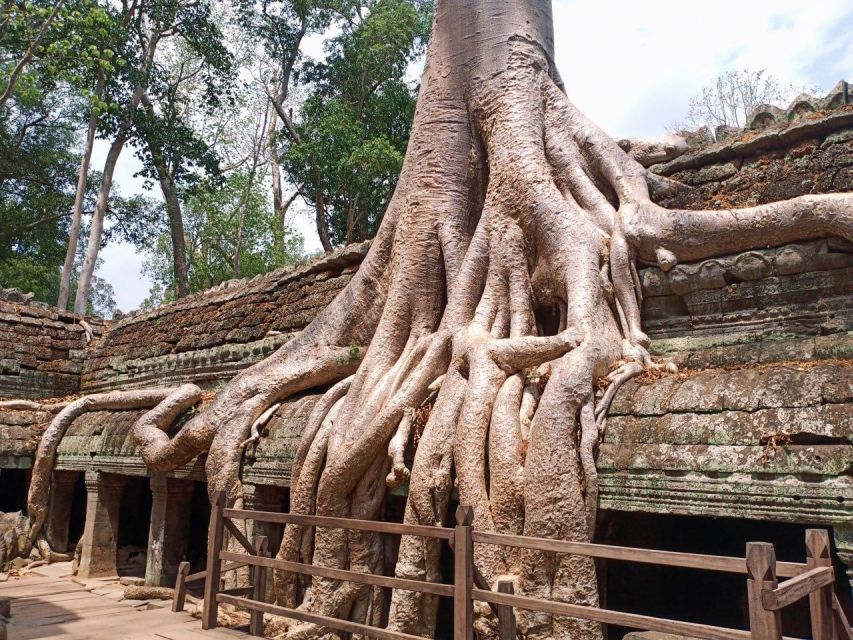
77 215
278 206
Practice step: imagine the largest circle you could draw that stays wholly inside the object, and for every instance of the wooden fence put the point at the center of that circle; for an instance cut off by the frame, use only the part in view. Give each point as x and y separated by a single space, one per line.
766 595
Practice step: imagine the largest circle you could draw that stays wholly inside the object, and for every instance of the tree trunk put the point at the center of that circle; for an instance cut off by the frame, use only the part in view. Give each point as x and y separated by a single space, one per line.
320 220
87 271
277 201
173 210
510 202
77 214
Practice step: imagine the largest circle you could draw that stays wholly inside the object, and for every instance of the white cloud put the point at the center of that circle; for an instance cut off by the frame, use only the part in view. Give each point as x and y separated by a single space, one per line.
631 67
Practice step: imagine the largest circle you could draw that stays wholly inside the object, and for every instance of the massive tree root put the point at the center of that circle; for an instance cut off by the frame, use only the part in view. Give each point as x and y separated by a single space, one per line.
501 286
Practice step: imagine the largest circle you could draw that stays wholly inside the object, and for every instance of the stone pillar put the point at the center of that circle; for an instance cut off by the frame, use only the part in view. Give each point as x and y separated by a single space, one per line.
261 497
170 519
59 509
843 535
100 534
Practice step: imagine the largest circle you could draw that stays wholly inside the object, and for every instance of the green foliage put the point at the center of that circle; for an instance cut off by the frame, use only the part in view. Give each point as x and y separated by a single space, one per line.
355 123
219 220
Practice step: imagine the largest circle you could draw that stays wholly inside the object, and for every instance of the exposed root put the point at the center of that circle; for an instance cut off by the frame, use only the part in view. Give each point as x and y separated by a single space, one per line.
46 453
30 405
258 424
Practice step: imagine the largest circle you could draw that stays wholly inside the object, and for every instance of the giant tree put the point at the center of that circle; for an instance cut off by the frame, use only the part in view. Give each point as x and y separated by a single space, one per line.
510 202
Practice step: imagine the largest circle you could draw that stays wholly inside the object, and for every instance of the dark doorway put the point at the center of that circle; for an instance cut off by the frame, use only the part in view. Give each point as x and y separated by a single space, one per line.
685 594
133 528
77 515
13 489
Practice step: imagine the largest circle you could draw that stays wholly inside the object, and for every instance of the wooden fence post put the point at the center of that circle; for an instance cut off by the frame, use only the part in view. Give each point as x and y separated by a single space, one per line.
506 615
463 575
215 533
820 602
761 572
256 624
181 587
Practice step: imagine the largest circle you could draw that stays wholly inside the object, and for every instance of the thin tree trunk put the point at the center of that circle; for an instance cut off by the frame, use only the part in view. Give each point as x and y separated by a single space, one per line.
84 285
173 210
28 55
277 202
320 218
77 215
88 269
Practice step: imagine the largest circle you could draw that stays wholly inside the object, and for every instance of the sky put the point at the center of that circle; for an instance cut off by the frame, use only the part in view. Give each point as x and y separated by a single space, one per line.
632 67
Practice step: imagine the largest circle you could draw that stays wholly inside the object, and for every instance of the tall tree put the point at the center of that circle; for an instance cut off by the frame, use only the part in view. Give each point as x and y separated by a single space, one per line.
151 23
511 204
351 137
170 148
282 27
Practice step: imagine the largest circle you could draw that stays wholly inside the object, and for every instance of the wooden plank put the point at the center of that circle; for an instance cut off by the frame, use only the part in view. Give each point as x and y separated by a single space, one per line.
842 625
797 588
238 536
761 566
820 602
345 575
442 533
506 614
607 616
633 554
259 590
215 534
180 587
463 574
324 621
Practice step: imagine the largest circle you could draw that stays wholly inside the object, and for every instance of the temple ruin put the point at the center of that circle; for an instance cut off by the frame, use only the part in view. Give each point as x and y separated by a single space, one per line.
756 428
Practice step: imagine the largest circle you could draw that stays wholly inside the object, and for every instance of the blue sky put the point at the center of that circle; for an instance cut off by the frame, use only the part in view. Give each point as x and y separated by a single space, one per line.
631 67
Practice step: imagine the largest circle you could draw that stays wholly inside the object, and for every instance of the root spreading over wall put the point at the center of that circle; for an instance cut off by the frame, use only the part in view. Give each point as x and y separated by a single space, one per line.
511 206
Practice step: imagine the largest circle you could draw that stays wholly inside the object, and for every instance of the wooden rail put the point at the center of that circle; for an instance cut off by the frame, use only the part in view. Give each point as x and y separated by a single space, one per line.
765 595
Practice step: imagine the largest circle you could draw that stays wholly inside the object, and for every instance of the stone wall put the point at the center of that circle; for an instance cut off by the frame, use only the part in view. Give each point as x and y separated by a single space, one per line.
207 337
42 349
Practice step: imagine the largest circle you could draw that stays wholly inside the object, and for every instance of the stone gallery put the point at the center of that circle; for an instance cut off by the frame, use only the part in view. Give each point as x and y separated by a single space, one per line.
322 389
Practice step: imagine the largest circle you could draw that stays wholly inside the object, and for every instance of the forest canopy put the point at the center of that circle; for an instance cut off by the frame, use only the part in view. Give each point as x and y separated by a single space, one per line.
234 123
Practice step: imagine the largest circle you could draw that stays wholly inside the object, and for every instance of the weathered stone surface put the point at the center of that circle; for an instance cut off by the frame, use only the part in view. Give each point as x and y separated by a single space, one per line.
209 336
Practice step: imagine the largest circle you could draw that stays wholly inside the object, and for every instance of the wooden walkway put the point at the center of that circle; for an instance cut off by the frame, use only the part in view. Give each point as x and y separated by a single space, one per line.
48 604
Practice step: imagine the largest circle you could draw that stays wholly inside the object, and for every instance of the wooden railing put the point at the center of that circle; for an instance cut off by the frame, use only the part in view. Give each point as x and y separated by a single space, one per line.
766 596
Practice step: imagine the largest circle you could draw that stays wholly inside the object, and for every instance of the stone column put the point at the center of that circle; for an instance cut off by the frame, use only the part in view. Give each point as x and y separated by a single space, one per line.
59 509
170 519
100 534
261 497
